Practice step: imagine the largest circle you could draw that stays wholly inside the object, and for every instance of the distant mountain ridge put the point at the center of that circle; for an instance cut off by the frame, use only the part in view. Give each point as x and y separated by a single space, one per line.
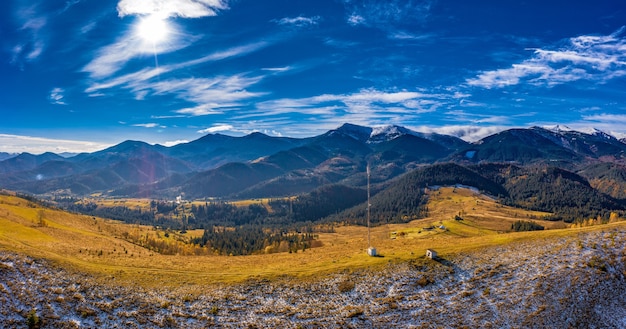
5 155
258 165
536 145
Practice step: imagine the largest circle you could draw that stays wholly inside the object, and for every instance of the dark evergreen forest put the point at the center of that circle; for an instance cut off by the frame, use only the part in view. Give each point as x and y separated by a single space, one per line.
287 223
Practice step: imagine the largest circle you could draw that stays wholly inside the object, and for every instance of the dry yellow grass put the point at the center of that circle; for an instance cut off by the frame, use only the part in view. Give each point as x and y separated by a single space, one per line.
96 246
143 204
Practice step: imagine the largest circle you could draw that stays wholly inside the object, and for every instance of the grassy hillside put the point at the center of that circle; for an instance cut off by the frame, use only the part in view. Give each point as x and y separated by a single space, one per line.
110 249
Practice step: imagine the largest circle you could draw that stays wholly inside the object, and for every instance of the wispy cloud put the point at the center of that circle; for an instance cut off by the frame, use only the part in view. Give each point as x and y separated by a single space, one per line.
38 145
149 125
404 35
200 110
217 128
277 69
211 94
57 96
69 4
350 102
136 80
172 8
340 43
208 95
469 133
355 19
32 41
604 117
367 106
387 14
112 58
299 21
176 142
593 58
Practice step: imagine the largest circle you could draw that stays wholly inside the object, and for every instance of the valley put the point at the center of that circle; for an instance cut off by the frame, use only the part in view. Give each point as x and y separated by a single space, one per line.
312 164
203 234
109 249
77 271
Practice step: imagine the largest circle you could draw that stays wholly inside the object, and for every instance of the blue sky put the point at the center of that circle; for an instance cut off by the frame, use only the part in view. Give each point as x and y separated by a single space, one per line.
79 75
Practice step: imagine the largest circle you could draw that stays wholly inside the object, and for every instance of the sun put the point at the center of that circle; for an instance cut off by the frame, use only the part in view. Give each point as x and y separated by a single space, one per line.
153 29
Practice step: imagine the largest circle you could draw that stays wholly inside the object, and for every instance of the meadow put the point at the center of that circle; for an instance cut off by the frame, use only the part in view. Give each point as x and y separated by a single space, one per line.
109 251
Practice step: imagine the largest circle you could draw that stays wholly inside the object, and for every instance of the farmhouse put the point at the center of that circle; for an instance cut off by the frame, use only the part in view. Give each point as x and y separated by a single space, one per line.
431 254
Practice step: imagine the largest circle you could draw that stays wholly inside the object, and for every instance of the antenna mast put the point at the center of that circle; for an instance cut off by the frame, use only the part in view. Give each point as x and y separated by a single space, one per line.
369 205
371 251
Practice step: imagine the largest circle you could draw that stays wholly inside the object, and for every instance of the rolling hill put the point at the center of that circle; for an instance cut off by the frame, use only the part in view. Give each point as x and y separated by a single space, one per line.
88 271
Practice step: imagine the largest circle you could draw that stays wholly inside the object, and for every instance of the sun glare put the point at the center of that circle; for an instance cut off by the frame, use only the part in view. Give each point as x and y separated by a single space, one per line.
153 29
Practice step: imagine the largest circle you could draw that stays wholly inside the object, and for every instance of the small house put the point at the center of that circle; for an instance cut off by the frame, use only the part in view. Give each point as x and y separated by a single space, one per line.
431 254
371 251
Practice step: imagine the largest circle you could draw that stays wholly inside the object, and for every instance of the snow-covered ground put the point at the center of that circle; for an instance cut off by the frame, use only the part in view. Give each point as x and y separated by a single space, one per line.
570 282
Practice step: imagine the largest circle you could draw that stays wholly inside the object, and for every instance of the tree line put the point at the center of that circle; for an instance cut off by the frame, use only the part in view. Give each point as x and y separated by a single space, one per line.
250 239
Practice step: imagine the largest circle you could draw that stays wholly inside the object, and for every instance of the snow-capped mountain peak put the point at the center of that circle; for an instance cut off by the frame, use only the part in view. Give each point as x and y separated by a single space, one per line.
390 132
558 128
562 129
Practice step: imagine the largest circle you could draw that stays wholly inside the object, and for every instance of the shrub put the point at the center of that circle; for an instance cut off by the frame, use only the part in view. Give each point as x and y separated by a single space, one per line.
423 281
32 320
345 285
598 263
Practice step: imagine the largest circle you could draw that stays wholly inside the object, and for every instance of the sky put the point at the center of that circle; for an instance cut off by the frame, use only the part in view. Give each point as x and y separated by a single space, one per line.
81 75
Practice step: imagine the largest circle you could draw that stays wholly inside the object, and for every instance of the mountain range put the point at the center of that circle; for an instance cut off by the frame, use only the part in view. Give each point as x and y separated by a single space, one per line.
258 165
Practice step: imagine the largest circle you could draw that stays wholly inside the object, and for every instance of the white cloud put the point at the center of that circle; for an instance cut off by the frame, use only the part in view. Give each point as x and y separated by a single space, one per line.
387 14
211 94
216 128
176 142
38 145
609 118
140 80
56 96
225 54
277 69
592 58
468 133
355 20
36 51
172 8
148 125
368 106
507 77
200 110
32 40
340 43
299 21
112 58
403 35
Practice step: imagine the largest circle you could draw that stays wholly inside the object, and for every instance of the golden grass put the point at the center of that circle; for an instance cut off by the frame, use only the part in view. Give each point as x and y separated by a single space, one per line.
143 204
95 245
